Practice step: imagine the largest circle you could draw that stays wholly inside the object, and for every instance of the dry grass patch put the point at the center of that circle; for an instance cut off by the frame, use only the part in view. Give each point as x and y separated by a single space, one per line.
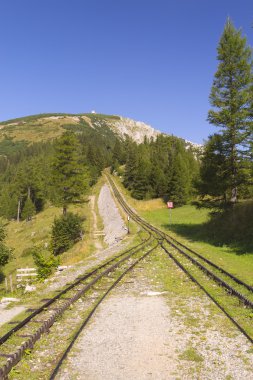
23 235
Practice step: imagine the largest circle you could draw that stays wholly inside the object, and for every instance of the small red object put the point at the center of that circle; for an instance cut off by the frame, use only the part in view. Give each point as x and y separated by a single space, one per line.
170 204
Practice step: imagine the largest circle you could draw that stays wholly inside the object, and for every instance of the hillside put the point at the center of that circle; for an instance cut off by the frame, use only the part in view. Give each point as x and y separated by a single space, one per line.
45 127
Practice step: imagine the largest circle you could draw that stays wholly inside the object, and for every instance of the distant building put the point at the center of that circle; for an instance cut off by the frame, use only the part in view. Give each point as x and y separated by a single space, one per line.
93 111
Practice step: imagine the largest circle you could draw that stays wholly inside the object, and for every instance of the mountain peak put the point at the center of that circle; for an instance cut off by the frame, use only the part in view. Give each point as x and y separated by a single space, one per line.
137 130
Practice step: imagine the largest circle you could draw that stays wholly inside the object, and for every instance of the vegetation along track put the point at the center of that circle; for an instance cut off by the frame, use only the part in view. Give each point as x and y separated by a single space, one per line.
27 332
233 296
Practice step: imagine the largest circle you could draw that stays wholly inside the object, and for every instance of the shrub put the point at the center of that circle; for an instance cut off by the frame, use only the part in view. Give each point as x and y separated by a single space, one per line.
4 251
45 262
66 231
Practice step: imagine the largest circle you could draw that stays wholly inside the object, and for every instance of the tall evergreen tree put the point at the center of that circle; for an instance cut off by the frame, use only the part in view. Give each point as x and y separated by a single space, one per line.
4 251
131 165
232 97
179 185
70 177
213 180
8 203
28 210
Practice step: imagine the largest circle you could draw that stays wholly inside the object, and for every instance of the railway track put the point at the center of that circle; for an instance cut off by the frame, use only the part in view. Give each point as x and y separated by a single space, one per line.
203 271
105 277
22 337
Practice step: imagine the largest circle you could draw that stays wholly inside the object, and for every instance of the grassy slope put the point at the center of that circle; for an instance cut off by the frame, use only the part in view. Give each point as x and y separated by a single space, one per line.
45 127
186 226
37 232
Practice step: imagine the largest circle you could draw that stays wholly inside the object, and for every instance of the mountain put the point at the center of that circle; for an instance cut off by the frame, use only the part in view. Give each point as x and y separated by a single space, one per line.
45 127
16 134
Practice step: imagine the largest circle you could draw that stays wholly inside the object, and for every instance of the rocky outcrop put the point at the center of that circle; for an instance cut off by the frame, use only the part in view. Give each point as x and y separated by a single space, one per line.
137 130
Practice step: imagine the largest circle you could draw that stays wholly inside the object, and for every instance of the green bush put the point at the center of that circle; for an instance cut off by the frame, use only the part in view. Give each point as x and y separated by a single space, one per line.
66 231
5 252
45 262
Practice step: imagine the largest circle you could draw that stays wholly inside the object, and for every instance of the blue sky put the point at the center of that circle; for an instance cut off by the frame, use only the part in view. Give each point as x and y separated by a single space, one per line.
150 60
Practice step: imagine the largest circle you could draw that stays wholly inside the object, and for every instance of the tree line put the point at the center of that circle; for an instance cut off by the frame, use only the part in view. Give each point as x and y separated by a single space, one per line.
164 167
222 174
28 178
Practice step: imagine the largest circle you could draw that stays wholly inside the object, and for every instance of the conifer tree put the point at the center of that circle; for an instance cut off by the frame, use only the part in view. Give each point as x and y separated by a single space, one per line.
180 182
131 165
232 97
8 203
69 176
28 210
213 181
141 184
4 251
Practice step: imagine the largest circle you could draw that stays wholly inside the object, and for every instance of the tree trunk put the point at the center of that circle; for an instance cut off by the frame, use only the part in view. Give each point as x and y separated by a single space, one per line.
18 213
64 210
233 198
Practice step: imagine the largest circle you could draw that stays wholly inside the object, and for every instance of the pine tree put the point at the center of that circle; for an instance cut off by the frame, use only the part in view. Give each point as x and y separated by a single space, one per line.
28 210
8 203
4 251
69 177
179 184
158 180
213 181
232 98
118 153
141 184
131 165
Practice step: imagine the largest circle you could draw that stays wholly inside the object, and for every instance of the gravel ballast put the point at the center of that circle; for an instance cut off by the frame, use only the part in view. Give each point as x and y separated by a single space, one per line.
141 332
114 227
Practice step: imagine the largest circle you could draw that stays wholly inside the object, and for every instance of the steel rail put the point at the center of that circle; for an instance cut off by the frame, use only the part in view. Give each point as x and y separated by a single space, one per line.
219 281
170 240
241 329
64 355
80 279
15 357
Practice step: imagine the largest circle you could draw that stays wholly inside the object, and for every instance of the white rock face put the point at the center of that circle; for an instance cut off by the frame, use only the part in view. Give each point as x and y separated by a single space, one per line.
137 130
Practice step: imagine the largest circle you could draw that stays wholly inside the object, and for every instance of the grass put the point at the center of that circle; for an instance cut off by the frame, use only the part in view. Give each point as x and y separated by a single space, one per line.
193 316
186 225
100 116
44 127
23 235
192 219
191 354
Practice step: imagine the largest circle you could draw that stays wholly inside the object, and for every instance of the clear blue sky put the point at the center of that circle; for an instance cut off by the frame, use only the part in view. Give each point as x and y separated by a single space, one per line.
151 60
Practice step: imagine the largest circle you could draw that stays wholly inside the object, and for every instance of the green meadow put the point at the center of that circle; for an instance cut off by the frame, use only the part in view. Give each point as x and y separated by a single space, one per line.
192 227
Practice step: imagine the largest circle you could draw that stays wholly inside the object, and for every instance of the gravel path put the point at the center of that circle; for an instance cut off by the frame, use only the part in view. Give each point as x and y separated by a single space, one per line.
114 227
126 341
114 233
140 333
7 314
